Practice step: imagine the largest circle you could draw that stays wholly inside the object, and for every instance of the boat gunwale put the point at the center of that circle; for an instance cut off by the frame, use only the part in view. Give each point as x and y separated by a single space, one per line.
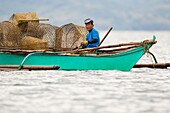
97 56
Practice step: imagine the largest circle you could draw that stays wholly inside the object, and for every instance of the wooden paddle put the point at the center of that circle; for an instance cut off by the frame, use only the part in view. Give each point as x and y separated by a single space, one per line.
105 36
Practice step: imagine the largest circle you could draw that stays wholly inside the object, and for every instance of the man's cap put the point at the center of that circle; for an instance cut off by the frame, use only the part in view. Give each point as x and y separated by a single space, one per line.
88 20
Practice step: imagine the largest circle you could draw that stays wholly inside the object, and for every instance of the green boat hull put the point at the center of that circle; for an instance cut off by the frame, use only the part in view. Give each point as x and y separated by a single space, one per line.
123 61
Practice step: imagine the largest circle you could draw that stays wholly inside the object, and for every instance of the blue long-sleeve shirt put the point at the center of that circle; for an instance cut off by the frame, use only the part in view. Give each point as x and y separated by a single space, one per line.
93 38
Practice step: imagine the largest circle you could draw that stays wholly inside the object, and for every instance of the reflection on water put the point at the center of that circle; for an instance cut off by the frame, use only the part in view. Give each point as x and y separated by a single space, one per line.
138 91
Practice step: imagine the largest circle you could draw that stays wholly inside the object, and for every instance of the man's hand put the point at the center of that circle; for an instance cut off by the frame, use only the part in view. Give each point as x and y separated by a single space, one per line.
84 43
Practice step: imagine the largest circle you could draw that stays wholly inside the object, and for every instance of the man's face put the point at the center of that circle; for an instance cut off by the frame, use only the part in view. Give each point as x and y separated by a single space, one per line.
89 26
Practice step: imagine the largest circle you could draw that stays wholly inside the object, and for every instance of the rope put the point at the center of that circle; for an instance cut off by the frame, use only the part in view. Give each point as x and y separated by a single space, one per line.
146 45
149 54
151 60
153 57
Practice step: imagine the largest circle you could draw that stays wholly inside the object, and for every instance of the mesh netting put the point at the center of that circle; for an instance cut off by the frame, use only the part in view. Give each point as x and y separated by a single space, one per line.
10 35
49 34
67 36
70 36
18 18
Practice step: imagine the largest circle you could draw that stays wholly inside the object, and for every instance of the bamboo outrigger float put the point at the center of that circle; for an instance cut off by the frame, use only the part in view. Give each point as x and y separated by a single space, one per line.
30 68
156 65
99 58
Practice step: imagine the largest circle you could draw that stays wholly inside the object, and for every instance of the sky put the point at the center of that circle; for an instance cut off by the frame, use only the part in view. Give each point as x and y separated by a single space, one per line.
119 14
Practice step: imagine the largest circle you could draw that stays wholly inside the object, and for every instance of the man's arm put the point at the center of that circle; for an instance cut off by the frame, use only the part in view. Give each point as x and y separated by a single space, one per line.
95 37
92 41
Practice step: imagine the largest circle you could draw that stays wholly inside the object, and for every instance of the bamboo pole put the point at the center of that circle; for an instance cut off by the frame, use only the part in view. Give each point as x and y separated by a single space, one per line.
111 46
87 49
21 51
119 49
159 65
30 67
105 36
42 19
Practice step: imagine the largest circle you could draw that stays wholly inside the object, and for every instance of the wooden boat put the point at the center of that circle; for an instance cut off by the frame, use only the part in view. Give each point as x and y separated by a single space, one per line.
122 59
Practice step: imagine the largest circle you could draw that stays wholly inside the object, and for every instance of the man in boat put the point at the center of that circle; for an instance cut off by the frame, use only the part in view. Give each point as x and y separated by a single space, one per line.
92 38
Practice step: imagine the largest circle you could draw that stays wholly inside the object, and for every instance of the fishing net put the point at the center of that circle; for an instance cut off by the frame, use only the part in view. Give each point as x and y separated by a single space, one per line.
33 43
13 33
18 18
33 29
10 35
49 34
70 36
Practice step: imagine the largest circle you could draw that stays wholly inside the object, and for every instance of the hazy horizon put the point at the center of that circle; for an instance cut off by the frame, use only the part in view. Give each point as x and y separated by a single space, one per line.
121 15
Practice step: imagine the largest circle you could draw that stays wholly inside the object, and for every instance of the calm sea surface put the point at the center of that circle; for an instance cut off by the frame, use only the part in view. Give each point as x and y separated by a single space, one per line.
138 91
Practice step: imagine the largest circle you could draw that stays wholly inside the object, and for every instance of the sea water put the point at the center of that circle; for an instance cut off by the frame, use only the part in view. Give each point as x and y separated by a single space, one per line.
141 90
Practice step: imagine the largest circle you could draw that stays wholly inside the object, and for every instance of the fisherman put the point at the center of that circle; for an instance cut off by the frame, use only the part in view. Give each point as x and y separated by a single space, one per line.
92 38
